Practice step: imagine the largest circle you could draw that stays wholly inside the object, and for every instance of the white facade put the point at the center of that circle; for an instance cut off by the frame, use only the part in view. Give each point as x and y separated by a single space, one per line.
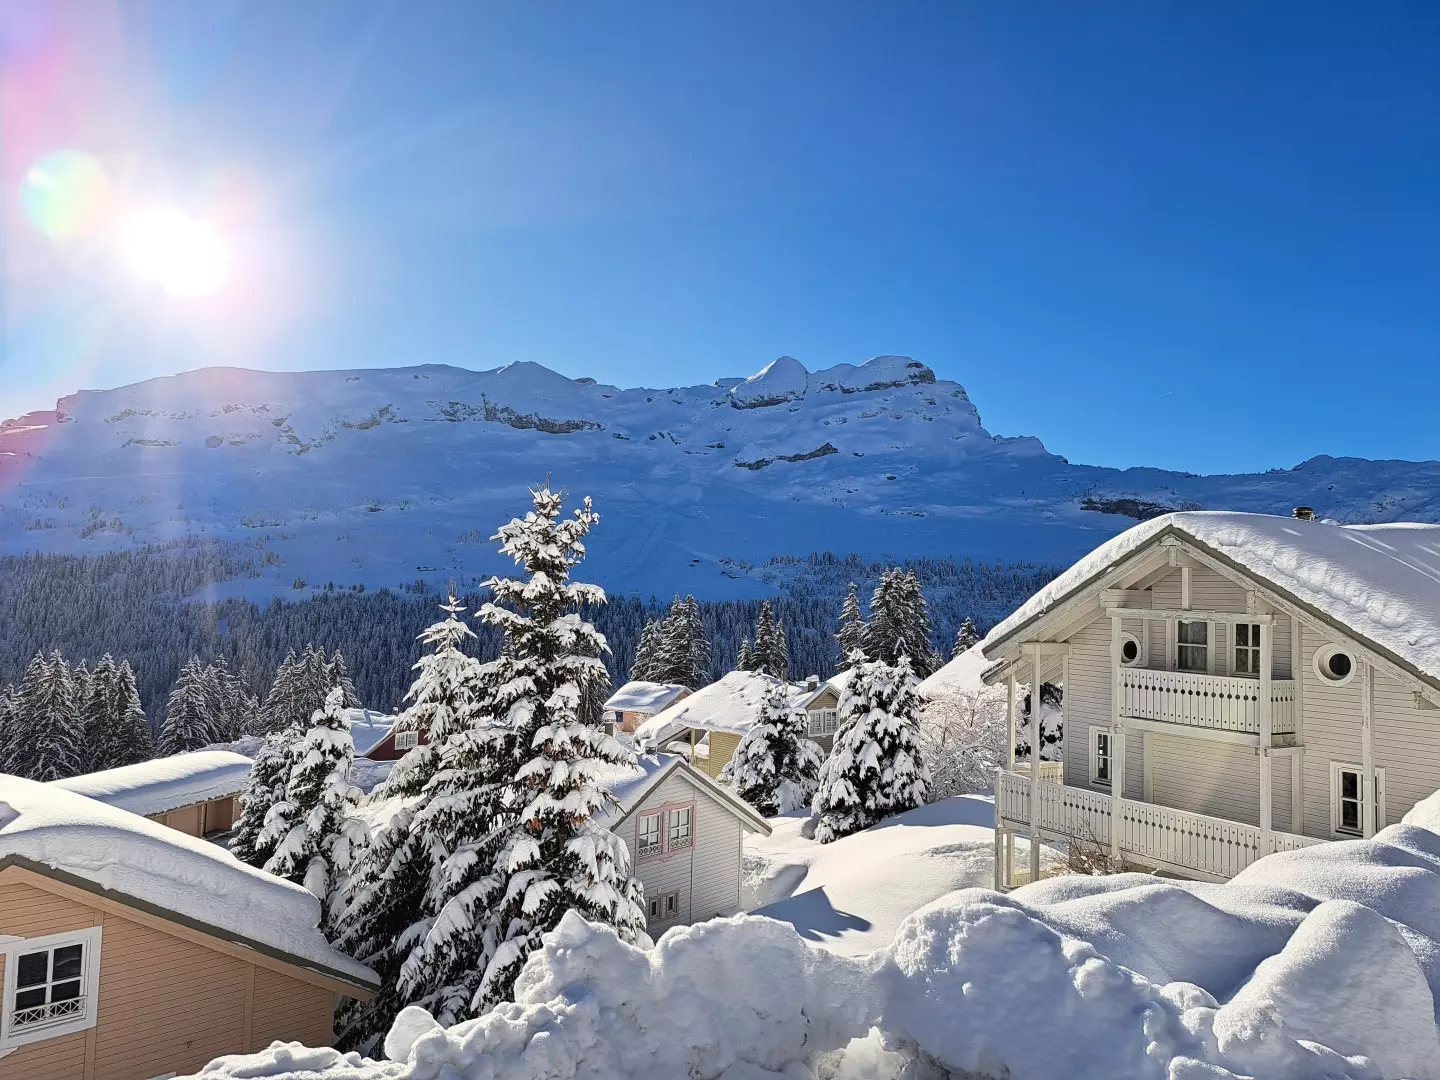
1247 719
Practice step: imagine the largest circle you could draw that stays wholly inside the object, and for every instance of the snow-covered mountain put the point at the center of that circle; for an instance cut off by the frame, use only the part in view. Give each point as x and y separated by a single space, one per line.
382 476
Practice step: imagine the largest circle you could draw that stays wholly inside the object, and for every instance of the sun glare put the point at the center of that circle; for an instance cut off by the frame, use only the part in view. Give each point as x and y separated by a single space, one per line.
185 255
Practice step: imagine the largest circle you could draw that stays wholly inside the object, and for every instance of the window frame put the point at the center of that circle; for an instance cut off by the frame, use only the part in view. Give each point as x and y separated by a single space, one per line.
642 851
1098 732
407 735
89 938
1205 646
1337 770
666 848
1321 661
1251 650
671 824
824 721
1139 661
666 905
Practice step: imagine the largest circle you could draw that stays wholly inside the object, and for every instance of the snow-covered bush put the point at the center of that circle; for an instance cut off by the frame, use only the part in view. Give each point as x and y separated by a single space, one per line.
962 735
775 768
875 768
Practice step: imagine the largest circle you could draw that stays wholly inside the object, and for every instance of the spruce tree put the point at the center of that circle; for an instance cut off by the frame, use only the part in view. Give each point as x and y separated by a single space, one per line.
552 856
7 720
128 739
47 730
875 769
646 667
899 623
263 789
770 652
96 716
312 826
775 768
276 714
965 638
449 790
684 650
745 660
851 635
189 724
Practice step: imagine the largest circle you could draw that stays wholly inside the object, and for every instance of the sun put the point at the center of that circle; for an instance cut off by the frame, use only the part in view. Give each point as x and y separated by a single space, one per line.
185 255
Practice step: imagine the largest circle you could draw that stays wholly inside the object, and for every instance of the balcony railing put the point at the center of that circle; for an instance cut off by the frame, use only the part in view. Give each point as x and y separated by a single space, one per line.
1153 835
1218 702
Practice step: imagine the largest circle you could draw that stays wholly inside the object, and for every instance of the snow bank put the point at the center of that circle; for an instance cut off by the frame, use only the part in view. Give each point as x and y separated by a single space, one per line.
1382 581
153 787
139 858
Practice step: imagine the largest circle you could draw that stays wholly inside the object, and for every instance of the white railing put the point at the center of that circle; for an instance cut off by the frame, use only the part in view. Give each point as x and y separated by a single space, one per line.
1051 772
1220 702
1156 835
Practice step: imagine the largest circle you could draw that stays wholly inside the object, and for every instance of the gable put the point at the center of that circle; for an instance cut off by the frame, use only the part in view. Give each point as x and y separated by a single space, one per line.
682 782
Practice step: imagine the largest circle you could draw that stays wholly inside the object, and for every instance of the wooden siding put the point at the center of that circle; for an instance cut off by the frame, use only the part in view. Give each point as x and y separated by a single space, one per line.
166 1004
1206 778
722 749
669 872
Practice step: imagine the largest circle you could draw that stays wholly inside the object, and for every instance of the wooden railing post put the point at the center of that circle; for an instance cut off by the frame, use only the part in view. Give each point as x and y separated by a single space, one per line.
1035 765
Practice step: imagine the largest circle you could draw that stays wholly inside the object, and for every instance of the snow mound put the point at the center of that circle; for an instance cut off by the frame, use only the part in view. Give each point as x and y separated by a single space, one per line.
162 784
141 859
960 675
777 382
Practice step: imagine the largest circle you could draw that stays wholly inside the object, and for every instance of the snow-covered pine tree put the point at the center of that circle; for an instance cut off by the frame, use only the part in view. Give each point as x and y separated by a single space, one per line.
46 729
554 856
684 653
770 652
96 716
188 724
128 739
276 714
851 635
264 788
312 826
966 637
899 623
301 686
232 707
776 768
646 667
337 674
875 768
745 659
7 722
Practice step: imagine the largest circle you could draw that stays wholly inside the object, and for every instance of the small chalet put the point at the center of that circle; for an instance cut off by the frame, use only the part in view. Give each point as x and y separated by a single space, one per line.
708 725
375 736
1235 685
637 701
685 833
130 951
194 793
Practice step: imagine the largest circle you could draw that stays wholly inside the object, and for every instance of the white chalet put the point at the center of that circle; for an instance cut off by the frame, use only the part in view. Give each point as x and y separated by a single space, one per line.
1235 685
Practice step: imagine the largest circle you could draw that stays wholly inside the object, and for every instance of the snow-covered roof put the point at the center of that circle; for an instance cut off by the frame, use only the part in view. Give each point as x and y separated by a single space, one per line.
368 729
730 704
1380 582
631 785
837 682
167 783
117 852
647 697
963 673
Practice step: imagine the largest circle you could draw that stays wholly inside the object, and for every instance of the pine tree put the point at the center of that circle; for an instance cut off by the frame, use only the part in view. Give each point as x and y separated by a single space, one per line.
851 635
312 826
95 713
745 660
47 729
684 650
128 739
189 724
264 788
552 856
7 721
449 789
875 768
899 623
276 714
301 686
770 652
775 768
646 667
965 638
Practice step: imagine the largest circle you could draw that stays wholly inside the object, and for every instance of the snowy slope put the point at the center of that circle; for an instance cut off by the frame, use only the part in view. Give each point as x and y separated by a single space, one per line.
382 476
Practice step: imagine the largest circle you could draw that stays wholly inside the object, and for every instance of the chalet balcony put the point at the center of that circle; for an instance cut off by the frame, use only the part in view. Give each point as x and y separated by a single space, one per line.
1219 703
1193 845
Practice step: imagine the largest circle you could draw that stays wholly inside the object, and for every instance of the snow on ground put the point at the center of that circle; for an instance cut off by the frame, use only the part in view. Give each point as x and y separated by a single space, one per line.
850 896
161 784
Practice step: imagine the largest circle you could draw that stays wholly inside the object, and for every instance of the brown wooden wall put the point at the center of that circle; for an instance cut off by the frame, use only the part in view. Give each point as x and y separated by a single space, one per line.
166 1004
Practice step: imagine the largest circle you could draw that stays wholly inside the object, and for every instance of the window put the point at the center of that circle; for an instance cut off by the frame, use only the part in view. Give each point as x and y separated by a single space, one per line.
1129 650
1347 799
50 986
664 906
1192 652
1100 757
1247 649
1335 665
823 722
647 836
407 740
679 835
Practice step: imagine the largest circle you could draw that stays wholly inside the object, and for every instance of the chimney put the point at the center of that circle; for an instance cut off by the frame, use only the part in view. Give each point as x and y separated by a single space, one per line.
1304 513
812 682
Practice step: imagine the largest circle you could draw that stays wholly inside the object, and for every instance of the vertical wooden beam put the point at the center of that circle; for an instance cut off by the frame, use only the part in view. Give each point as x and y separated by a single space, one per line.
1297 761
999 860
1367 749
1035 763
1185 587
1117 737
1011 711
1267 726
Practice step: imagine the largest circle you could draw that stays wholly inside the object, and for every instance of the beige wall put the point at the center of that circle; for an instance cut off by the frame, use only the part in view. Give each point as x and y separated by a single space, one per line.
722 749
217 815
166 1004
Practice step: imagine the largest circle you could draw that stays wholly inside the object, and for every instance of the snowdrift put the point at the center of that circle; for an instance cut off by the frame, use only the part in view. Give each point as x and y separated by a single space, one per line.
1320 963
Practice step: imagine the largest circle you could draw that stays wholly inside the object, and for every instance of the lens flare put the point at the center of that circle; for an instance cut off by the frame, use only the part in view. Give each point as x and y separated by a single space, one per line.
65 195
185 255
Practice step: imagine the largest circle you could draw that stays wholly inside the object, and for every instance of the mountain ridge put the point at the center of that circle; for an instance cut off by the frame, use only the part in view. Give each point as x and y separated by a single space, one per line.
374 476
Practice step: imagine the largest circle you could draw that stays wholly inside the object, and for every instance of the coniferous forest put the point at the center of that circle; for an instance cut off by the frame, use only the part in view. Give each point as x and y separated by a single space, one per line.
150 608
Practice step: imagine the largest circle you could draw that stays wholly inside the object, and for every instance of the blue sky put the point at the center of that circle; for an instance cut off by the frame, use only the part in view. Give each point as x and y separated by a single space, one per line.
1204 237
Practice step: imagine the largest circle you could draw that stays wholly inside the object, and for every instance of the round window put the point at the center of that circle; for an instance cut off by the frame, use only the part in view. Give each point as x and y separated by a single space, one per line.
1129 650
1335 665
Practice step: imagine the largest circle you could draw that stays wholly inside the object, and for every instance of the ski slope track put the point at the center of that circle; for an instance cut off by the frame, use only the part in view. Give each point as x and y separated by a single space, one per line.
380 477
